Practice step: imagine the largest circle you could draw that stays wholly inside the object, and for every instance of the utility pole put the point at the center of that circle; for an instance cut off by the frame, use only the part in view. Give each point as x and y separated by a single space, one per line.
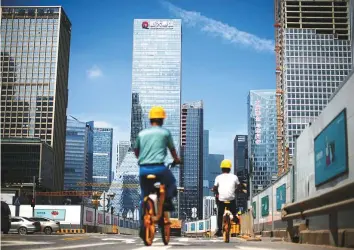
104 208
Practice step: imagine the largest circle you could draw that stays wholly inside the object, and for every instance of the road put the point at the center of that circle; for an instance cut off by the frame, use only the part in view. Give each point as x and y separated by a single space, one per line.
121 242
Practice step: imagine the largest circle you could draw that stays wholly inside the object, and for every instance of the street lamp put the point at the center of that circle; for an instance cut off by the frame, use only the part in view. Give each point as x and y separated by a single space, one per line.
110 197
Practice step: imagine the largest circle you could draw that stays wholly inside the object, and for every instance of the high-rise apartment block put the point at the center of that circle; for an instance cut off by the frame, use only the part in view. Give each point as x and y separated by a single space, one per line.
102 158
192 154
313 56
35 46
78 155
262 143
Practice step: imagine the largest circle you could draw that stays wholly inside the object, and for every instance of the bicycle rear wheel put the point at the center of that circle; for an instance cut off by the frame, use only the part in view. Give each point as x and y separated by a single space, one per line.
226 228
165 227
149 225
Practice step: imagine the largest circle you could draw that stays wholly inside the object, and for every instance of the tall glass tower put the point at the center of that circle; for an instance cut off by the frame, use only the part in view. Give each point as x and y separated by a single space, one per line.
156 80
192 144
78 154
102 158
35 48
262 144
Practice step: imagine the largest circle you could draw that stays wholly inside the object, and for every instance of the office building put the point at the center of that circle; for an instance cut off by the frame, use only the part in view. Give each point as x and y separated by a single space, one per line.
214 161
205 162
78 155
156 78
313 56
352 26
192 144
35 43
102 158
240 167
262 144
240 144
122 150
126 186
156 81
209 207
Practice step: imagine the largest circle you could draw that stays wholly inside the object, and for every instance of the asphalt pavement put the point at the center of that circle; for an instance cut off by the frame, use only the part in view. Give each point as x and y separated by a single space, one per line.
124 242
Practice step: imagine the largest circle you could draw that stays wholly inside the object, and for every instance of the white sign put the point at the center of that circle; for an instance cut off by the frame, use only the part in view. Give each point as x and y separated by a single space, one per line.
258 130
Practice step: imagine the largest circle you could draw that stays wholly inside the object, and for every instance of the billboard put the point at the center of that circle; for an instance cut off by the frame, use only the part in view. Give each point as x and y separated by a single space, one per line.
265 205
281 196
52 214
331 152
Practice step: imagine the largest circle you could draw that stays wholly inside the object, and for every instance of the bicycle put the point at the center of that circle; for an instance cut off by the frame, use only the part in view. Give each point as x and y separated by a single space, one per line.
153 211
227 218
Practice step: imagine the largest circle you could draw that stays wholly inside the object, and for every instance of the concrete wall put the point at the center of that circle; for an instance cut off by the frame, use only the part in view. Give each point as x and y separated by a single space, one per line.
305 164
305 168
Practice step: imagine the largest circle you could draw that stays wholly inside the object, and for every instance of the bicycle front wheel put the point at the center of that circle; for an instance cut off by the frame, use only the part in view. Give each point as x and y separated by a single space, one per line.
226 228
149 225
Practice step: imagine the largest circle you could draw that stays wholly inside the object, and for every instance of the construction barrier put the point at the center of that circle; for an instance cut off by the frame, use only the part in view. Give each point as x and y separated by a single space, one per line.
247 224
71 231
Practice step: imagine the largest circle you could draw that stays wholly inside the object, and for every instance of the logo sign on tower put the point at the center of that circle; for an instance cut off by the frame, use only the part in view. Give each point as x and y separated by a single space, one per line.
157 24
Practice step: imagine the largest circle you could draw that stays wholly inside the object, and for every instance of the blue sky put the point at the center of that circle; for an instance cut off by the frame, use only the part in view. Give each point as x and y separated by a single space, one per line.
227 50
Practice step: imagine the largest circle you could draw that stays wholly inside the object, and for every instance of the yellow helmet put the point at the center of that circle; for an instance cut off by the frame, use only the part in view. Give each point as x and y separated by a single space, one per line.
157 112
239 213
226 164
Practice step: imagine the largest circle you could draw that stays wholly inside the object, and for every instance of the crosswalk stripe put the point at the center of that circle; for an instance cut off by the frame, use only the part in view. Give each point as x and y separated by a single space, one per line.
5 243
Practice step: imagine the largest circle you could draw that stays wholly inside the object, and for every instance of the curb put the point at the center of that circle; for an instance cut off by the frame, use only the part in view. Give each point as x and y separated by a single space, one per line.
71 231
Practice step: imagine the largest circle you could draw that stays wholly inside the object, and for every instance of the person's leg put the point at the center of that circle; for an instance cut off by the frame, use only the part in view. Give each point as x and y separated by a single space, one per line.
170 182
221 208
233 210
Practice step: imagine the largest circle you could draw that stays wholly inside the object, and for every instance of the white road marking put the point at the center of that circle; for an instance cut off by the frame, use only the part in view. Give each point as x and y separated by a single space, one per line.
6 243
126 241
76 246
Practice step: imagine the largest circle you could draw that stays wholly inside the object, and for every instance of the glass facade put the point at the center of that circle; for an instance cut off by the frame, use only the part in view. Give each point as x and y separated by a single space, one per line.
35 45
262 131
240 145
156 78
192 149
214 161
205 162
102 158
126 186
78 154
122 150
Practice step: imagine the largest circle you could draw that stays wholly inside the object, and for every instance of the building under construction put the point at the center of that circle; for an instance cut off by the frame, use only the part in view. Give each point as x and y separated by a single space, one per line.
313 56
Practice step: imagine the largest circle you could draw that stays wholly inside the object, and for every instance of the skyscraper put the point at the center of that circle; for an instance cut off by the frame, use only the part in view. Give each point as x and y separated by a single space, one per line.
262 144
192 144
78 154
240 144
35 44
214 170
156 78
205 162
313 56
102 157
122 150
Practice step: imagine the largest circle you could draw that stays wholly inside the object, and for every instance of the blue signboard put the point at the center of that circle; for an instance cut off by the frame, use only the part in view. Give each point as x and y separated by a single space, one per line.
281 196
331 158
53 214
201 225
193 227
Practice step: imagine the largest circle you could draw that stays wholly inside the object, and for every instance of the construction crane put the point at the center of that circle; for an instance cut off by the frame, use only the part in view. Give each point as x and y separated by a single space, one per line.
279 43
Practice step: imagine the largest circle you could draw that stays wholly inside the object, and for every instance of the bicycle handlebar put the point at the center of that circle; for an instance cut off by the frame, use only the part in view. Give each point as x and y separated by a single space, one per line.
171 165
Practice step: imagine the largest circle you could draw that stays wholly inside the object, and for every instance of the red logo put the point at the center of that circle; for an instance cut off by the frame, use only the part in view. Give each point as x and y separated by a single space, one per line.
55 212
145 25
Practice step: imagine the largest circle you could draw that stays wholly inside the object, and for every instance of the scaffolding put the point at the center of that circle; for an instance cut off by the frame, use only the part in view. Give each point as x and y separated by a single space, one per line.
279 22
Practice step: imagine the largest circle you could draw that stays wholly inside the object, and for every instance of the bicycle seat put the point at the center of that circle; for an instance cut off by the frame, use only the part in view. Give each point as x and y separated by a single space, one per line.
151 176
227 202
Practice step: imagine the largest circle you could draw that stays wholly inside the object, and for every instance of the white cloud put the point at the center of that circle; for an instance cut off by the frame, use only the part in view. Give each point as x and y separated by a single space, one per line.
94 72
219 29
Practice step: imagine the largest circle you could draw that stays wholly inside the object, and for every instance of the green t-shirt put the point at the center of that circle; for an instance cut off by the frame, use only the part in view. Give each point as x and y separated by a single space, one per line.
152 144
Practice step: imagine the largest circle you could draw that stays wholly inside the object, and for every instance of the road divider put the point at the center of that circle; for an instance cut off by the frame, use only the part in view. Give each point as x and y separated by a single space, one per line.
71 231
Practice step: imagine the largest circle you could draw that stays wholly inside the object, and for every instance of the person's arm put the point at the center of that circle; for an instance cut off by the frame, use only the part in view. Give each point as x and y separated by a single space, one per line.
171 147
137 147
215 189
